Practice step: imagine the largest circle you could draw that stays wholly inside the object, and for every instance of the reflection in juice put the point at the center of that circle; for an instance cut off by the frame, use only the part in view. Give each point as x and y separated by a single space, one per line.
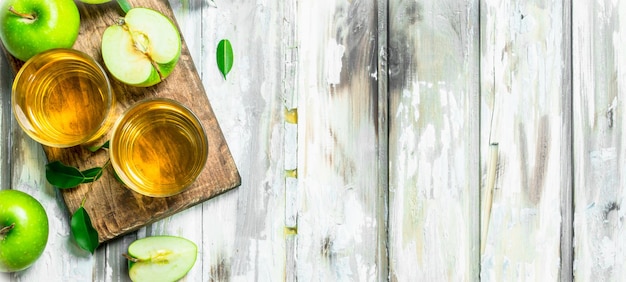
158 148
62 98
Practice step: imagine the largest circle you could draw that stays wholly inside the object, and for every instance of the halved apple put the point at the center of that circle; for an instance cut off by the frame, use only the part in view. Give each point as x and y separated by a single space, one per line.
142 49
161 258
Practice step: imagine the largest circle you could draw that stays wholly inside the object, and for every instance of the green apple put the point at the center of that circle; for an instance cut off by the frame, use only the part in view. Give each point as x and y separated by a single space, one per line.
160 258
29 27
142 49
23 230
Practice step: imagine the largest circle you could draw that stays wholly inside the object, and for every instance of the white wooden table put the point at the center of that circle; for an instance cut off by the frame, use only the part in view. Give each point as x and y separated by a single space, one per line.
398 103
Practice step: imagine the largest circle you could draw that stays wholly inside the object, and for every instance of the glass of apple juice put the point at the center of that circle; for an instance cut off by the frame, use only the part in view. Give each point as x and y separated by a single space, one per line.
158 147
63 98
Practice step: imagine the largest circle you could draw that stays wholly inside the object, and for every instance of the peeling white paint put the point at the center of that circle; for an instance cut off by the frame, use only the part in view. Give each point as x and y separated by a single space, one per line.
334 55
599 158
607 253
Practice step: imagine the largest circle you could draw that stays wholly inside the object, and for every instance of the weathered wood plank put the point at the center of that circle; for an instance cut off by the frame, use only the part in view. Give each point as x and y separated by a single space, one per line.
341 226
290 54
567 166
5 123
382 129
5 129
434 150
599 44
523 86
243 235
6 116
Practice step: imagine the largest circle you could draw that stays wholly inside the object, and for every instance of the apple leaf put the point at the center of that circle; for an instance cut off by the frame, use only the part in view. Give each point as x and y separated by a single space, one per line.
94 149
92 174
117 177
124 5
63 176
83 232
224 57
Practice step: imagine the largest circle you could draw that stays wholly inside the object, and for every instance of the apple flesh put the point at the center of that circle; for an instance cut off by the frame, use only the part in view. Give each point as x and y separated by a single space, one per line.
161 258
142 49
23 230
29 27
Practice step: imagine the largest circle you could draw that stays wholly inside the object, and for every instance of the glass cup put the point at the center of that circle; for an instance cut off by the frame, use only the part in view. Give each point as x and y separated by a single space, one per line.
63 98
158 147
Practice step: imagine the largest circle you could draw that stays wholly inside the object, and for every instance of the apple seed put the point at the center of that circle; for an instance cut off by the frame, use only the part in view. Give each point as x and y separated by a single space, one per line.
161 256
141 43
29 17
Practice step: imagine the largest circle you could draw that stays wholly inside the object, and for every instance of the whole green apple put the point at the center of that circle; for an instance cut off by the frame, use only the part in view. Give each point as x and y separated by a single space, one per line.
23 230
28 27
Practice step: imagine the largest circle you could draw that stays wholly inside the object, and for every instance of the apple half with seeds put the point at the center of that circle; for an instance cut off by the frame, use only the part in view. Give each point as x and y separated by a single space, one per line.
142 49
160 258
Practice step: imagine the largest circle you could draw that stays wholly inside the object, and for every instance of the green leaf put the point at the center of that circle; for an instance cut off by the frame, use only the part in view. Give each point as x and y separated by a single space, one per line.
124 5
92 174
83 232
93 149
63 176
224 57
117 177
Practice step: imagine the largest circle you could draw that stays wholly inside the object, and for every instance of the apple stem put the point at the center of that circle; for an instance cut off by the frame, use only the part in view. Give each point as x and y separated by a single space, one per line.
5 230
131 258
31 17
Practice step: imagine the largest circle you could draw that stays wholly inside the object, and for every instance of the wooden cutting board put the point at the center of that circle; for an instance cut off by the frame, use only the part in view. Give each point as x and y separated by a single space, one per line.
114 209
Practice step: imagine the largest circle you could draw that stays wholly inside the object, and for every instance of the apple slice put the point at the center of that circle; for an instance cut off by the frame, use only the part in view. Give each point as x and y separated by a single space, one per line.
161 258
142 49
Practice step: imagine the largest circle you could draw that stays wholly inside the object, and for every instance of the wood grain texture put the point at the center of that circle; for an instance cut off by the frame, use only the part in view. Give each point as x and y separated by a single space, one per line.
6 114
114 209
599 78
244 232
433 143
341 222
523 110
567 151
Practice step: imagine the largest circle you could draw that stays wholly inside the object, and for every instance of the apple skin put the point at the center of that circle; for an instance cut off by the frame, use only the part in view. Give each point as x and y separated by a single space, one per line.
56 25
24 244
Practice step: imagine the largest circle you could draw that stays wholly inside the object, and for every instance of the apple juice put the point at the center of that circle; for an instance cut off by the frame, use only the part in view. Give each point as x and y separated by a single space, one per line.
62 98
158 147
